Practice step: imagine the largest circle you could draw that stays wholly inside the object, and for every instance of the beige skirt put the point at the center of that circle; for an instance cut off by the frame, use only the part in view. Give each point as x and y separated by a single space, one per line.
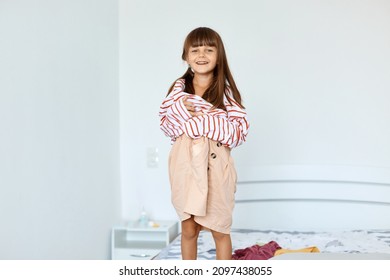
203 182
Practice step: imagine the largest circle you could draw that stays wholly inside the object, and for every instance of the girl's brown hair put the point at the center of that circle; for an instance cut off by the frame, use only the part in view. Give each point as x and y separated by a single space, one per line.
223 79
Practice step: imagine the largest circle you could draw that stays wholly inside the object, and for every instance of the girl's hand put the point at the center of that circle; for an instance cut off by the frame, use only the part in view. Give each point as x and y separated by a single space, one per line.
191 108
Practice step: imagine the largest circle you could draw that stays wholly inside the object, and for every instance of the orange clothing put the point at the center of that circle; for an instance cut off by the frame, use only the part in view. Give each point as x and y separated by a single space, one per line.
303 250
203 182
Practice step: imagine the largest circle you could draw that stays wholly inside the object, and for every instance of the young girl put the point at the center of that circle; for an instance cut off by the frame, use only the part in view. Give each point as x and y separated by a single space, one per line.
204 117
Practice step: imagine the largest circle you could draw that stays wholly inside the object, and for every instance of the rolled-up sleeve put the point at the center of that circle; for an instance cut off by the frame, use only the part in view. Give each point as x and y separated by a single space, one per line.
229 127
232 130
173 114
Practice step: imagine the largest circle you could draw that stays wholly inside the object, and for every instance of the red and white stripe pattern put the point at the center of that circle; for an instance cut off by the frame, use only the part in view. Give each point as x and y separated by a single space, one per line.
229 127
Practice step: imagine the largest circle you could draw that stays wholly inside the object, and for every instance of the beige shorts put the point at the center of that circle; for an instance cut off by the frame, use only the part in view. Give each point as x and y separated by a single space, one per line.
203 182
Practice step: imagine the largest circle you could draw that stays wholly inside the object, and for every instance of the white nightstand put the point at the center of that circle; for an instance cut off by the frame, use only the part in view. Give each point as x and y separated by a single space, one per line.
133 242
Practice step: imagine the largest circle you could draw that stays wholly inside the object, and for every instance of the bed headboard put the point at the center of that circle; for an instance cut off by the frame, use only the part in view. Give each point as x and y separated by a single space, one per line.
303 197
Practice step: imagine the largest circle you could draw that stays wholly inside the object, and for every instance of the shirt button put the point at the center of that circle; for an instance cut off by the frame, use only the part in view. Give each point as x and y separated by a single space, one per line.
219 144
213 155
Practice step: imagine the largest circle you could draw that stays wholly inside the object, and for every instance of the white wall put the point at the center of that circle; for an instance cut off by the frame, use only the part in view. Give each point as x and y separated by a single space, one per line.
59 127
313 75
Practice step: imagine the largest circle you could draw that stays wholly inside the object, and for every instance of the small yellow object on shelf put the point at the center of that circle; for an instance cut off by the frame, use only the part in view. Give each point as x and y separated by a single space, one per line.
153 224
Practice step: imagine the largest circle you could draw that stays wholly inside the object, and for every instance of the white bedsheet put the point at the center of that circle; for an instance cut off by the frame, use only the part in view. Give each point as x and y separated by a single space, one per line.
351 242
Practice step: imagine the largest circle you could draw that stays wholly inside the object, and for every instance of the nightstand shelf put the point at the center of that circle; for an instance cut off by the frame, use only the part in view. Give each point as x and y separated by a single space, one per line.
135 242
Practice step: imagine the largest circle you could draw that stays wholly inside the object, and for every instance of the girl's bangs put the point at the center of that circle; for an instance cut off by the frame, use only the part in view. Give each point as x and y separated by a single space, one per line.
202 38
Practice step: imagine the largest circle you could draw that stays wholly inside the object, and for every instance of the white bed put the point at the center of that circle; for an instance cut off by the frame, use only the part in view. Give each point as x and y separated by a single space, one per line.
352 244
344 211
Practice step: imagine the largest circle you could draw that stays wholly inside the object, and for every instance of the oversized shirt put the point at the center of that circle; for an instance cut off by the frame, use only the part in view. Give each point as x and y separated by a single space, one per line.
228 127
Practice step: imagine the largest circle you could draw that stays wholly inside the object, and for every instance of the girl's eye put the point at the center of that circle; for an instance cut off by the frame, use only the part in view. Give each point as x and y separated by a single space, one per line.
194 51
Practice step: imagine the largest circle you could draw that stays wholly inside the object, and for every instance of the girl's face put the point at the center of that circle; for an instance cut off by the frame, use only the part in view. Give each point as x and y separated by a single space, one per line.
202 59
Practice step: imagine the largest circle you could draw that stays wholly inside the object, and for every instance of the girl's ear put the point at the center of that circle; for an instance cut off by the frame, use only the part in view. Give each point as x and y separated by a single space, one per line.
186 61
189 67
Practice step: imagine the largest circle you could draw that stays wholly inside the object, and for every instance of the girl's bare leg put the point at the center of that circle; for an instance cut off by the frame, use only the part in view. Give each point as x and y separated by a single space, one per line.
189 239
223 244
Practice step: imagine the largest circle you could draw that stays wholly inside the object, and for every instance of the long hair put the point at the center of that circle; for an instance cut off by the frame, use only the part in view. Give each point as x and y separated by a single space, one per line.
223 79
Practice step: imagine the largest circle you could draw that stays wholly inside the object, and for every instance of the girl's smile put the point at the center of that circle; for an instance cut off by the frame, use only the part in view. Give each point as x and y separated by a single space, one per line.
202 59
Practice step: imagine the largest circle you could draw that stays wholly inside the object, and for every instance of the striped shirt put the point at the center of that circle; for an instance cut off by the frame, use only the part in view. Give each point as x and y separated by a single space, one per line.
229 127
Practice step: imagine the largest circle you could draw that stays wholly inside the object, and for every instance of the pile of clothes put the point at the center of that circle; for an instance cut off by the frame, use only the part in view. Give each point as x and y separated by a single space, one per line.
267 251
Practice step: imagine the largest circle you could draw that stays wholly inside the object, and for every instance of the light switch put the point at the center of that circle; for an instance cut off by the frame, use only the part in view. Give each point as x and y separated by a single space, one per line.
152 157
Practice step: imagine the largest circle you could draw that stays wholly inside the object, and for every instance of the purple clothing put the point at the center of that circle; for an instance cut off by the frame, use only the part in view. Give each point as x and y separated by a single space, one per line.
257 252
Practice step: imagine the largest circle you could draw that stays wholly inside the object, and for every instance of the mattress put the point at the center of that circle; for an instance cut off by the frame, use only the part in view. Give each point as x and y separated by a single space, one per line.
353 244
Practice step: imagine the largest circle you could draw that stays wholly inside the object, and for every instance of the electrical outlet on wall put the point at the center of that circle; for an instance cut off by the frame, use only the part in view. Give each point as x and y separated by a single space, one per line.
152 157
